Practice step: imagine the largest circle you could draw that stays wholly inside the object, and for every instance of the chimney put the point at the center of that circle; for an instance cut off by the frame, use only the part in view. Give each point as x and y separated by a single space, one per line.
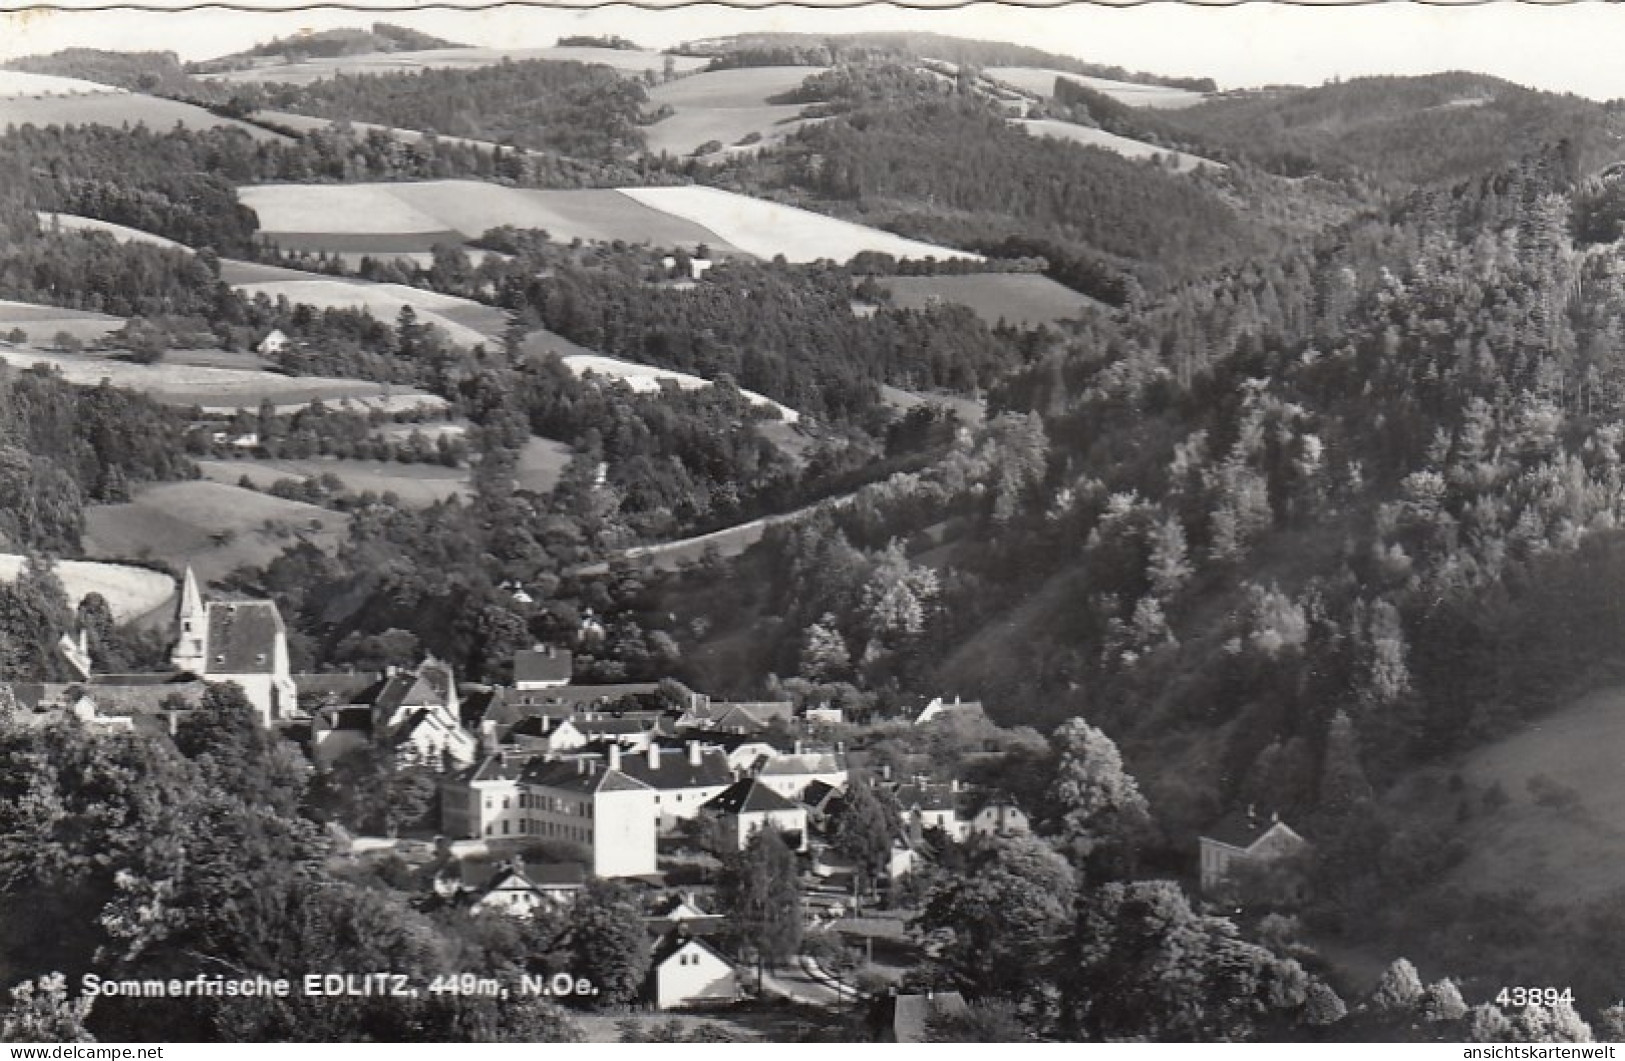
694 753
798 747
581 765
1251 816
654 756
614 756
885 771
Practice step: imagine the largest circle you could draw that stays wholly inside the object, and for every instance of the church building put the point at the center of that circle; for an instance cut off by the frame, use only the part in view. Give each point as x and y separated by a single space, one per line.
236 641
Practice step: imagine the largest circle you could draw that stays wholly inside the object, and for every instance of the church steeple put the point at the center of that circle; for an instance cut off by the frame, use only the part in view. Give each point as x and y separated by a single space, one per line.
192 618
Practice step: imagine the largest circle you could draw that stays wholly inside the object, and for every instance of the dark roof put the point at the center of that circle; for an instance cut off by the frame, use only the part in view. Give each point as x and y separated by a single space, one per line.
507 706
675 771
666 905
816 792
728 742
145 694
503 766
748 796
557 875
903 1018
926 797
340 687
542 665
585 776
674 941
425 687
242 637
358 719
130 680
1241 829
610 725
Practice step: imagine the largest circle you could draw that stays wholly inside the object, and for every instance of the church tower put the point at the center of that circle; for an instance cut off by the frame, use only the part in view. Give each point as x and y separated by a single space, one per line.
191 652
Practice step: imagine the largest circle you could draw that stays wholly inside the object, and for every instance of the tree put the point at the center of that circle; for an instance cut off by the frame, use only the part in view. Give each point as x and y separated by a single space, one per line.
1169 566
761 892
1099 803
1142 963
238 754
42 1012
1000 919
824 655
1343 784
983 1021
864 828
1400 988
608 943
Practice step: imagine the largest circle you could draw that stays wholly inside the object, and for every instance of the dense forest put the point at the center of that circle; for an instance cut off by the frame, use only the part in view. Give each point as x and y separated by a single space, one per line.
586 111
952 169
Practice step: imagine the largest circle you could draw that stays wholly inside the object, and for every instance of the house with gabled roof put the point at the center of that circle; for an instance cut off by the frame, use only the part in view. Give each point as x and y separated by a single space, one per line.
993 814
749 805
686 971
242 641
1243 839
413 712
681 907
927 804
519 890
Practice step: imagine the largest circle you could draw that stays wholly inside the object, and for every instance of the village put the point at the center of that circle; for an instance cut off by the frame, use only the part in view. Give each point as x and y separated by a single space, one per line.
544 785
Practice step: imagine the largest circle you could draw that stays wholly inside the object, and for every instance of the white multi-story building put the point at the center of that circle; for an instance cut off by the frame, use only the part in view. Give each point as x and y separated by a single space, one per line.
594 804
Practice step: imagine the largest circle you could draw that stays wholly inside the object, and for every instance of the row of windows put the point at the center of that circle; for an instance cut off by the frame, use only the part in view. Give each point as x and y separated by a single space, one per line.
554 830
534 801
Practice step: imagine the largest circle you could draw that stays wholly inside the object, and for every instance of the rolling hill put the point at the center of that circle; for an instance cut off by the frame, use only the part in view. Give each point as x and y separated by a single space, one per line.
726 107
213 527
302 72
43 99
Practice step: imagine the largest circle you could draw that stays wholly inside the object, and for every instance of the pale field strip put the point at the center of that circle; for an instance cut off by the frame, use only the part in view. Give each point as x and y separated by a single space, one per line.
383 301
767 229
111 107
123 233
1041 82
429 209
417 485
1122 145
42 323
16 83
221 389
129 591
647 378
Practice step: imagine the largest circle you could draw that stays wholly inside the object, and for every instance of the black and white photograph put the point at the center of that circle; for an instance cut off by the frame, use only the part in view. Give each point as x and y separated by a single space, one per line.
794 524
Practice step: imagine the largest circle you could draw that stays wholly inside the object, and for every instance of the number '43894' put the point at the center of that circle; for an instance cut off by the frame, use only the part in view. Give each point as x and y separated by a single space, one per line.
1534 996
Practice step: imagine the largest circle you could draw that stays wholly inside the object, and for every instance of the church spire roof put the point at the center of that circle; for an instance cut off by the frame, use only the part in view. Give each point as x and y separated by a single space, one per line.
191 599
